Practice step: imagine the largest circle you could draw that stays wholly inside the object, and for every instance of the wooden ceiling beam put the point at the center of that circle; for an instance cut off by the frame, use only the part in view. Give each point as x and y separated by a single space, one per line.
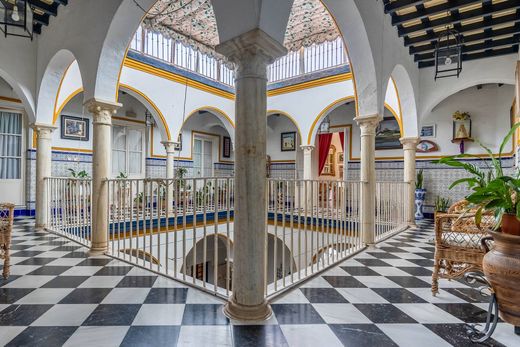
44 7
391 7
456 17
430 11
486 34
488 22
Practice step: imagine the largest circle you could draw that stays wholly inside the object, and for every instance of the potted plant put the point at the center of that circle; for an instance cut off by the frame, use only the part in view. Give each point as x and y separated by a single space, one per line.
441 204
420 195
499 194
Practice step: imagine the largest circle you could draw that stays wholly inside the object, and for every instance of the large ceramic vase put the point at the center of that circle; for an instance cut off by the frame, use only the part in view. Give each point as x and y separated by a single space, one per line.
420 195
501 266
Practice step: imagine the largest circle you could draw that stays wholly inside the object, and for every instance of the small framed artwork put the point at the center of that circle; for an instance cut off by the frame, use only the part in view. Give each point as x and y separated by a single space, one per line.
74 128
340 158
178 144
427 146
388 134
288 142
428 131
226 147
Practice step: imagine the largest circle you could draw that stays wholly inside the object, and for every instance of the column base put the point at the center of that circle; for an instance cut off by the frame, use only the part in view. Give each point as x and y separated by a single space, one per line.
39 226
239 312
96 251
413 226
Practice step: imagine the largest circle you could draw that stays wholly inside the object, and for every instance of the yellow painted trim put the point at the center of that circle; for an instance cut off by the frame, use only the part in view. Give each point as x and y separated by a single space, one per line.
152 155
284 161
311 84
326 109
291 118
398 98
207 108
136 65
8 99
64 103
154 106
54 115
66 149
397 118
336 103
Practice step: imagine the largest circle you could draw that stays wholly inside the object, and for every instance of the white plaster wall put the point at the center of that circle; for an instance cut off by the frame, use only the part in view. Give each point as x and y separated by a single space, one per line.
276 125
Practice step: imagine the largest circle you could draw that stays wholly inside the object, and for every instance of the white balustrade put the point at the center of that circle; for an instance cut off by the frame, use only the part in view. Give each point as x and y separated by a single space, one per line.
317 57
183 228
70 207
391 208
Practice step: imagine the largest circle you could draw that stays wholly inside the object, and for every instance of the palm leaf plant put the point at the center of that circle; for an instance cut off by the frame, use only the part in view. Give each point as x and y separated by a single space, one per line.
490 190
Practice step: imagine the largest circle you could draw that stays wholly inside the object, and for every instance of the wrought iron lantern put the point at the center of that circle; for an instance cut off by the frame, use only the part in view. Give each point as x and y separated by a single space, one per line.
325 126
448 54
16 18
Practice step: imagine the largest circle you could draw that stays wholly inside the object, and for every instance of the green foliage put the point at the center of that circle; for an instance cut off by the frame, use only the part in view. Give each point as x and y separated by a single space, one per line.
442 204
491 190
78 174
419 181
122 175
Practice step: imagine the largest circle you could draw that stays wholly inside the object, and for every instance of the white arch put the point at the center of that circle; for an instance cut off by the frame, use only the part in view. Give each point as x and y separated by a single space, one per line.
50 85
407 101
490 70
22 92
351 24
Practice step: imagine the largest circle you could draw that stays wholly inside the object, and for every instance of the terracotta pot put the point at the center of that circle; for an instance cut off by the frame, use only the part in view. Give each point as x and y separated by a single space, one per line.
510 224
502 269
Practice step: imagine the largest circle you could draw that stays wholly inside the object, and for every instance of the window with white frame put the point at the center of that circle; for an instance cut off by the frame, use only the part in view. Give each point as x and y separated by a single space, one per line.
127 150
10 145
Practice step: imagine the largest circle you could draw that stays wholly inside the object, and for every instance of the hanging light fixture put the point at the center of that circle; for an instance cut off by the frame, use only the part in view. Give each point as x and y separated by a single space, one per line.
448 54
148 119
16 18
325 126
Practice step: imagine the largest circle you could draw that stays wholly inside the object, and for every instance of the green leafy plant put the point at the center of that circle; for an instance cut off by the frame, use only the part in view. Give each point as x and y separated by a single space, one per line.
78 174
419 181
122 175
442 204
491 190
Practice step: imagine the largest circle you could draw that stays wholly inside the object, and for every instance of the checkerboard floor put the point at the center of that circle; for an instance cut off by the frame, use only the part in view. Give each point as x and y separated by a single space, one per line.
381 297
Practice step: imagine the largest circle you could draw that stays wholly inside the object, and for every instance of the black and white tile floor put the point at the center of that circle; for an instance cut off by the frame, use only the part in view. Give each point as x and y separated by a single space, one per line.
56 296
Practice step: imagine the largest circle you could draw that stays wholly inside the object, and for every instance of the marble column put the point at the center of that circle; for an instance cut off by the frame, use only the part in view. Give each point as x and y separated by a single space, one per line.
43 169
368 125
251 53
102 112
409 148
307 161
169 146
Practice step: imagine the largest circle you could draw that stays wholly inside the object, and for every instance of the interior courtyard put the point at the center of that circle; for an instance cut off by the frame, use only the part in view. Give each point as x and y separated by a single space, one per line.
259 173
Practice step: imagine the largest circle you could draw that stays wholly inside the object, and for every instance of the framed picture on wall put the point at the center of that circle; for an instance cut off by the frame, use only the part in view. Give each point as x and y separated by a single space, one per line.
288 142
226 147
388 134
428 131
74 128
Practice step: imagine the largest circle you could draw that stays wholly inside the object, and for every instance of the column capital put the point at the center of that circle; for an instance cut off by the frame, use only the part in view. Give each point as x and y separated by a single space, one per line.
43 131
169 146
307 148
368 124
102 110
252 52
409 143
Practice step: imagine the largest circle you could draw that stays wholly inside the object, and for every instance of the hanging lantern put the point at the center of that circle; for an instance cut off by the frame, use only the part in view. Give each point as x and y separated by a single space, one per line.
448 54
16 18
325 126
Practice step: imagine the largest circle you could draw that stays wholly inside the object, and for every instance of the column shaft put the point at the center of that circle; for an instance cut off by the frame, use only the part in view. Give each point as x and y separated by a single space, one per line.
169 146
43 169
368 125
251 52
409 151
102 112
